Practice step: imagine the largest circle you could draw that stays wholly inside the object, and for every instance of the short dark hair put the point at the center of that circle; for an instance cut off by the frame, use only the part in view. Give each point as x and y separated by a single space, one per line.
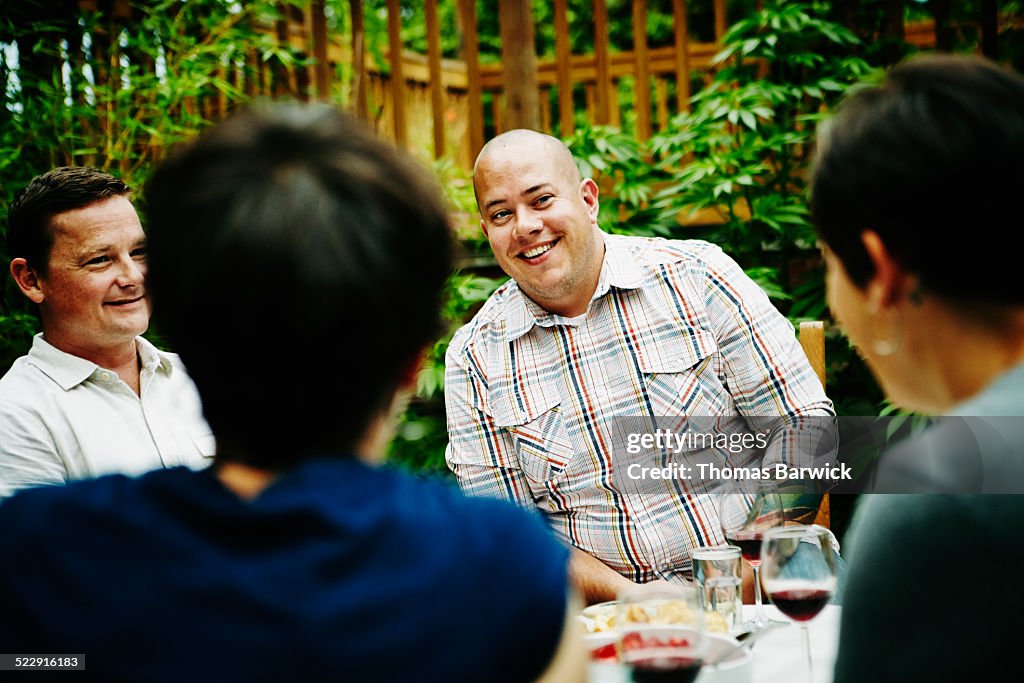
931 160
66 188
296 263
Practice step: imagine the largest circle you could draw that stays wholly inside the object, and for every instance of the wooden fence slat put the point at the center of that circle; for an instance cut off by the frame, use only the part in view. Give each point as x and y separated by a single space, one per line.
545 110
322 73
682 55
661 91
615 114
721 19
604 91
359 101
591 98
496 114
397 71
642 87
436 85
519 60
563 52
474 91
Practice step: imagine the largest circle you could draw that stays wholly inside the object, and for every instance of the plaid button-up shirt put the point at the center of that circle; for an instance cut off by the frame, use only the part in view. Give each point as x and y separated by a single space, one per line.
534 400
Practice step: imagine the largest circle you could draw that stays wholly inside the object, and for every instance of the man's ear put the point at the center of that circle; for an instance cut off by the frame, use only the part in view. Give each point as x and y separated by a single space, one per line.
589 193
27 279
889 283
483 226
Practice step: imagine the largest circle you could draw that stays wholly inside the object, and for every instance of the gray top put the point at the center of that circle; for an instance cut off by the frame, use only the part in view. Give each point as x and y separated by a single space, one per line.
976 448
933 591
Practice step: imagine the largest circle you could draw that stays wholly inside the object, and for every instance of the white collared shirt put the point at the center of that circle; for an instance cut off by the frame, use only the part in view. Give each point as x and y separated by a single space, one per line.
63 418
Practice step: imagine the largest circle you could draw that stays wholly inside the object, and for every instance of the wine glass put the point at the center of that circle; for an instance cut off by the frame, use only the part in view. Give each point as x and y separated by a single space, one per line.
661 634
745 514
800 568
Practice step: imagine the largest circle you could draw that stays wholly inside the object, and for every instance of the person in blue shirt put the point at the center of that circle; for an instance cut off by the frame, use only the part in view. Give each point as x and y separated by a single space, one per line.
296 263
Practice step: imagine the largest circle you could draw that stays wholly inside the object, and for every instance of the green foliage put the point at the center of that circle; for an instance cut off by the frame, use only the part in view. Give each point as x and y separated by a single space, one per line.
621 163
749 134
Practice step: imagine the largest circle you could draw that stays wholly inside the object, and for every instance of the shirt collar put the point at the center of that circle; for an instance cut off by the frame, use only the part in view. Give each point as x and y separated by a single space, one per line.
68 370
153 358
619 269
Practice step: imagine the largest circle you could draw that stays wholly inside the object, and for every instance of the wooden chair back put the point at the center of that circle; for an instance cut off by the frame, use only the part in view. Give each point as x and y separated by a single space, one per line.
812 339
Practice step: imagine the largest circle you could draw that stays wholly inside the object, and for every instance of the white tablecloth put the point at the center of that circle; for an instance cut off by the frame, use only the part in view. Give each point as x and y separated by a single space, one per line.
778 656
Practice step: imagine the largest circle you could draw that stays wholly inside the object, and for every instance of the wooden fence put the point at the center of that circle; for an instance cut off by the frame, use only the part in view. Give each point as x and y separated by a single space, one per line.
443 104
444 107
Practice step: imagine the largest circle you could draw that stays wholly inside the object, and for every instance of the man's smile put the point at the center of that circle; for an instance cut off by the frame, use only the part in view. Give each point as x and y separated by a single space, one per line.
123 302
535 252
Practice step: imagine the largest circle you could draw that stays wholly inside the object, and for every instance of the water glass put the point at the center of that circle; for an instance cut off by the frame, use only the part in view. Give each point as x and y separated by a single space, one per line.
717 571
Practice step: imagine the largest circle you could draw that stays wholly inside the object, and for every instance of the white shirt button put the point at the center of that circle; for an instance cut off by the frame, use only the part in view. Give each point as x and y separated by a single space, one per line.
105 377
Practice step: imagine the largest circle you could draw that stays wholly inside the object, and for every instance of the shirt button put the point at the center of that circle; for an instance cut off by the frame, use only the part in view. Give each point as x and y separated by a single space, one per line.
105 377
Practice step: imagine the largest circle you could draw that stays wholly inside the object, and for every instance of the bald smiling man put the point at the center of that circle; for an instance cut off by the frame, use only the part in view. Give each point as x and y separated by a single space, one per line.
593 329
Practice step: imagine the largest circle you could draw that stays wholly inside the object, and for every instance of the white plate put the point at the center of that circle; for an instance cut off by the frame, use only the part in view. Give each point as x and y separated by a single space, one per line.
591 615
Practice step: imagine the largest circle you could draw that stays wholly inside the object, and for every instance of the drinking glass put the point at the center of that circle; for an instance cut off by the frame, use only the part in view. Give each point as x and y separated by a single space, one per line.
746 513
718 574
661 634
800 569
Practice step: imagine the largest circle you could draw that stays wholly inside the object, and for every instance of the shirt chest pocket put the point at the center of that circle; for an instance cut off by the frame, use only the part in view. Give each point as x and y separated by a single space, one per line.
684 381
535 423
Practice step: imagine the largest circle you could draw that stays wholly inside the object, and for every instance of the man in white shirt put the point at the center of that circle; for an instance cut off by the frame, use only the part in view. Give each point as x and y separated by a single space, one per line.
91 397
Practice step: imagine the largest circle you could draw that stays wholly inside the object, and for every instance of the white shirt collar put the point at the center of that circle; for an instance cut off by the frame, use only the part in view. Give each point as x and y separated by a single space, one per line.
68 370
619 269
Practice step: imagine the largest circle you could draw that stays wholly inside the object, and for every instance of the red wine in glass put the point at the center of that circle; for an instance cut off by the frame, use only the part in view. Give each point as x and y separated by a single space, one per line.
800 568
749 543
801 604
665 670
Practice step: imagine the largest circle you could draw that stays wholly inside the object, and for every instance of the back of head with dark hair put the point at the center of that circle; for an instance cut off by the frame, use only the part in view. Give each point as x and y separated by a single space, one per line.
931 160
296 263
29 234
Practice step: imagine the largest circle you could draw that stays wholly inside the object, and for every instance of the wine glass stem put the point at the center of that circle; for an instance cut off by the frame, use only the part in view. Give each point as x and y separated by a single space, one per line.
758 609
807 651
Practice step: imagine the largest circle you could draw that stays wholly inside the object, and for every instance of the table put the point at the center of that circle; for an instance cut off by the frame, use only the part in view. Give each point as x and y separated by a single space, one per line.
778 656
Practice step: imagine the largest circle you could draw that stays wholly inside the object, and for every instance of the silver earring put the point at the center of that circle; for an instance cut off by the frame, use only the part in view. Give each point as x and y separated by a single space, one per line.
885 329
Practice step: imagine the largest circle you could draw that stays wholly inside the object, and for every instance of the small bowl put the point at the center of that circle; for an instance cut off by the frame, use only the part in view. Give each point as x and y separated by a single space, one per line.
737 669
